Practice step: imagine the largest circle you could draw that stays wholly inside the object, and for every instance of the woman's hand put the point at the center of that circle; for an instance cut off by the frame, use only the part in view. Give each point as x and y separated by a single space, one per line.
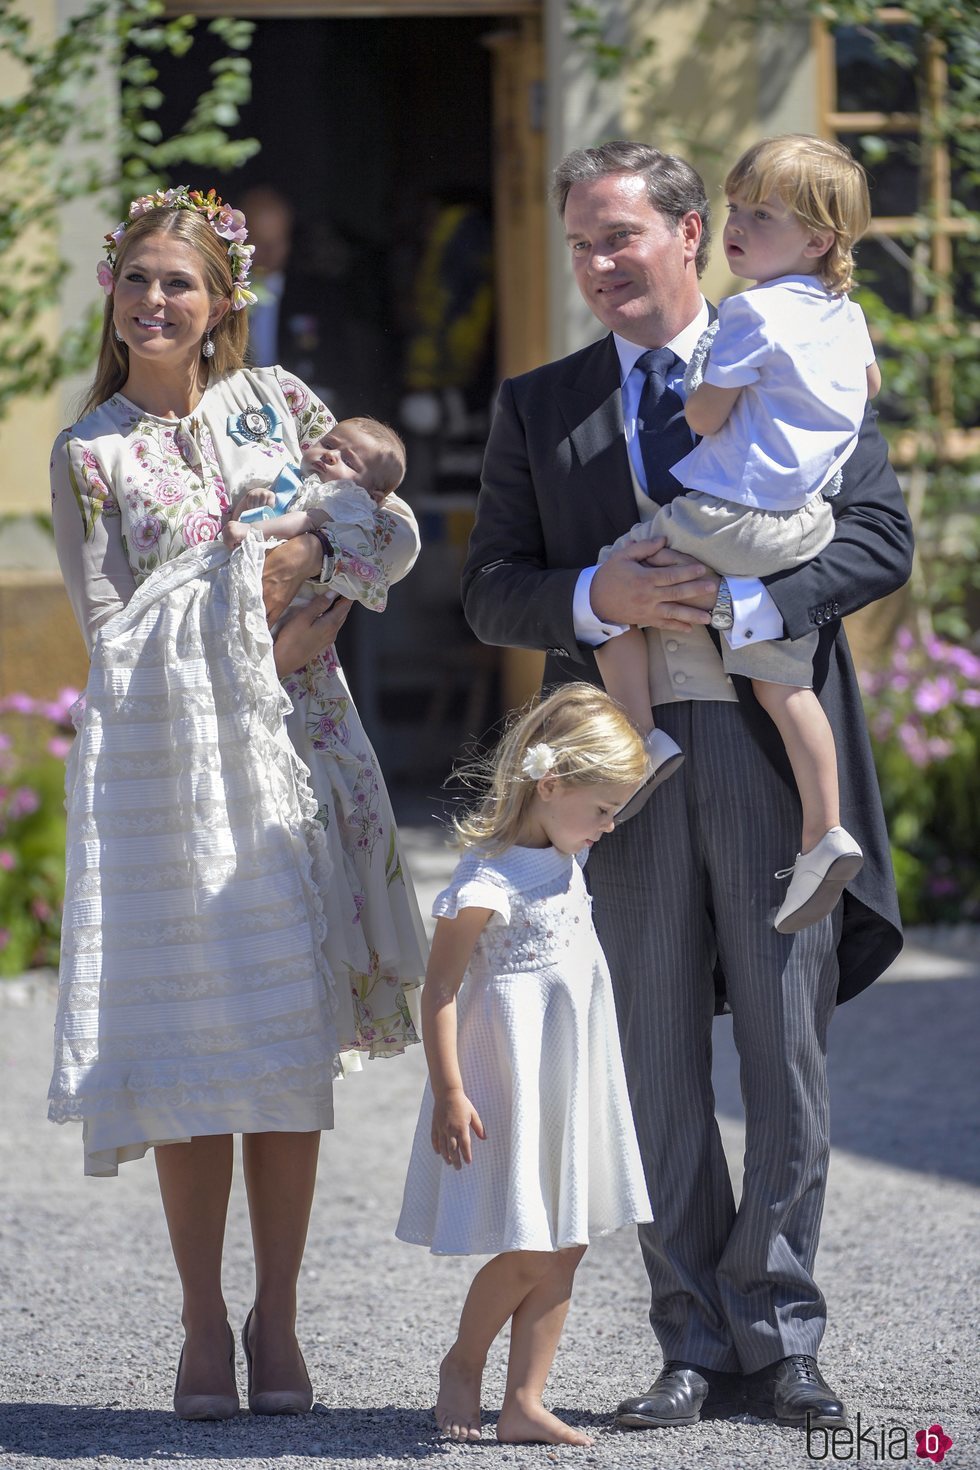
308 631
286 568
453 1119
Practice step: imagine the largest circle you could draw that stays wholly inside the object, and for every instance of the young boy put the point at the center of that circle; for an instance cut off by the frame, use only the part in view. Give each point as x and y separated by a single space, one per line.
782 399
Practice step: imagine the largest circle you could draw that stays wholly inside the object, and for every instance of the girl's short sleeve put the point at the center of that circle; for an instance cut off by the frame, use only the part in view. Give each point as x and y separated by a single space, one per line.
473 886
740 346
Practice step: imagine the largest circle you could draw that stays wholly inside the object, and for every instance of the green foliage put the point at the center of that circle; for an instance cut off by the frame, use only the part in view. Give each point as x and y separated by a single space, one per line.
587 27
61 138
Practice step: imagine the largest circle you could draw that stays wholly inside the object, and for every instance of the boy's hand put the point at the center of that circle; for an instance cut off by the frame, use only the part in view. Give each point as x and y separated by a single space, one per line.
234 533
453 1119
259 496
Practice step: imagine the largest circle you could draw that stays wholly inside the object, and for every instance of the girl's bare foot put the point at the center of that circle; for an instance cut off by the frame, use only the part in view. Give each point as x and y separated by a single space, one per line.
457 1409
532 1424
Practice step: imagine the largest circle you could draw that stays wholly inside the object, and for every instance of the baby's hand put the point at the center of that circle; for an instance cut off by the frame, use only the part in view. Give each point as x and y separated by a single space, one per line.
234 533
259 496
379 496
453 1118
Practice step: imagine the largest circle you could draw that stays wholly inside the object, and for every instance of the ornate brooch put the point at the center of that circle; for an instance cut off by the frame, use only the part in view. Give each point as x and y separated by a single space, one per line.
253 425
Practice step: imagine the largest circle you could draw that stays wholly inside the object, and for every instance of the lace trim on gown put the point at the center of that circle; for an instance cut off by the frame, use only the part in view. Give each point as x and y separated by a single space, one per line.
194 983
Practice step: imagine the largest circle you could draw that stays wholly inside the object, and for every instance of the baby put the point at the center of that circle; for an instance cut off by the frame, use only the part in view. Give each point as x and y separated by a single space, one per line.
344 476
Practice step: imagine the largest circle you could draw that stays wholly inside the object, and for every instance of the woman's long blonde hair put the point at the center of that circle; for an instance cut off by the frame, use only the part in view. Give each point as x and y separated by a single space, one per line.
590 741
229 335
821 183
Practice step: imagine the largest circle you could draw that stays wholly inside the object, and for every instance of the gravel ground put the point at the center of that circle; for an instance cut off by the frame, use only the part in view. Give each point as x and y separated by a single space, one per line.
89 1332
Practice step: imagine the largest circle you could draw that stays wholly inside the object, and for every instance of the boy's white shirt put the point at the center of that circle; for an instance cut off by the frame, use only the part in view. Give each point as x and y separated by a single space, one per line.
800 355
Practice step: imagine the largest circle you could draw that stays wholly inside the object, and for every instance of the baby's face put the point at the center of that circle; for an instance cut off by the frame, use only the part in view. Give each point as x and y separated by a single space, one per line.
345 453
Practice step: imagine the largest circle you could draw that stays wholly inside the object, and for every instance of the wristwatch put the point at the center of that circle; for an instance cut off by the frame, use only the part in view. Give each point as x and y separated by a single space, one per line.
329 552
722 615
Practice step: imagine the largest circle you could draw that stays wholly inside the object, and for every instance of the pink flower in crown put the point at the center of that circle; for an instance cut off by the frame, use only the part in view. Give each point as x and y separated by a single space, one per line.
200 527
104 276
146 533
230 225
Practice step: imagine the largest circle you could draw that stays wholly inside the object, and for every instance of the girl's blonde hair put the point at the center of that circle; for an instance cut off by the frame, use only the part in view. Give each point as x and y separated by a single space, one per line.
590 741
230 335
821 183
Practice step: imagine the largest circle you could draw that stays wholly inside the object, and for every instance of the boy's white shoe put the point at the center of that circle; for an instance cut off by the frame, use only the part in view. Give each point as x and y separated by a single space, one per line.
665 757
818 879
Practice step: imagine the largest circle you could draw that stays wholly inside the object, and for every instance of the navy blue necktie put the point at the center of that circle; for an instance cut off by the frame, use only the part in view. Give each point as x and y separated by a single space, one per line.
661 426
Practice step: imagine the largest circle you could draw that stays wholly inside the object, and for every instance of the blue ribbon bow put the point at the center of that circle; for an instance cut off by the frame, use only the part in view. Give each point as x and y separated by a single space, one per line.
284 488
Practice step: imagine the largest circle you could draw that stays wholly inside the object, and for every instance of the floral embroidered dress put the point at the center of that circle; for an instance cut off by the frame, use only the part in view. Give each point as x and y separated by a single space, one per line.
221 945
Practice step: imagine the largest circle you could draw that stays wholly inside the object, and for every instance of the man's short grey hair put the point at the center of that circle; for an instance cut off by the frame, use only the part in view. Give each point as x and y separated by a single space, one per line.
673 186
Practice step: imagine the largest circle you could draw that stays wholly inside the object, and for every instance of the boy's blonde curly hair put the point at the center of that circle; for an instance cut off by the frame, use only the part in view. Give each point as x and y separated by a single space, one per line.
821 183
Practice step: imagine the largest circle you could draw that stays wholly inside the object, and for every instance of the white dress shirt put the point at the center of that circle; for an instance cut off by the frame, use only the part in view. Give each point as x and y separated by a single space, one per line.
757 618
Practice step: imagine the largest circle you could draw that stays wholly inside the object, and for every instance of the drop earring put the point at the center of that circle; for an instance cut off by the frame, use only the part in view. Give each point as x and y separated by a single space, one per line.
208 349
119 335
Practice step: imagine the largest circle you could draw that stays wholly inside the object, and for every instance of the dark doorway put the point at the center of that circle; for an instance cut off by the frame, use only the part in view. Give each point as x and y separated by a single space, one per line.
378 133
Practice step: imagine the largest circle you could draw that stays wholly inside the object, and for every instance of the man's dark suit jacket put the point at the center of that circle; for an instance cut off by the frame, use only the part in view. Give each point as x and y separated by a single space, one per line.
557 487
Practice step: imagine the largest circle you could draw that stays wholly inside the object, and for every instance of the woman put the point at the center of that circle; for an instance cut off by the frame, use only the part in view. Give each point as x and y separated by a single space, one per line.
228 931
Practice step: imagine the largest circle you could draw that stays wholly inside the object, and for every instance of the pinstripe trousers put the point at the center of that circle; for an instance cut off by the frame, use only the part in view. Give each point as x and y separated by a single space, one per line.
686 882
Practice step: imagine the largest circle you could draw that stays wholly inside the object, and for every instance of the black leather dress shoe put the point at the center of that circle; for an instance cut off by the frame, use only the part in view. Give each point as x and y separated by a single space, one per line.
794 1392
678 1397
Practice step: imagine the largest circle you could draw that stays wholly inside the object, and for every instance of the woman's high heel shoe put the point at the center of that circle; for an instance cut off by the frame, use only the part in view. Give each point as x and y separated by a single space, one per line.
206 1405
275 1401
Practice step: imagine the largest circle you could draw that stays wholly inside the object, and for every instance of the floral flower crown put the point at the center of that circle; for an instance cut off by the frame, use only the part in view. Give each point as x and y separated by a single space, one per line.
227 223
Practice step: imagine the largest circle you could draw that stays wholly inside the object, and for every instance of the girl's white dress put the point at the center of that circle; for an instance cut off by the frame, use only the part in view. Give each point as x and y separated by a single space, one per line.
540 1060
236 912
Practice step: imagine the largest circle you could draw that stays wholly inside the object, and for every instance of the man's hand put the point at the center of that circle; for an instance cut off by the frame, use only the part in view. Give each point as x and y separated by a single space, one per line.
649 586
286 568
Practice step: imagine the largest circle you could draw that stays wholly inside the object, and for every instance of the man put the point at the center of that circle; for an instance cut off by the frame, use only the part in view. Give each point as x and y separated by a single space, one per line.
306 317
685 891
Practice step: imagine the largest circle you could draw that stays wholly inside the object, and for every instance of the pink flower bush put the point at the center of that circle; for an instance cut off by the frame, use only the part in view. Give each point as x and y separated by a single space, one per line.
32 827
925 733
921 697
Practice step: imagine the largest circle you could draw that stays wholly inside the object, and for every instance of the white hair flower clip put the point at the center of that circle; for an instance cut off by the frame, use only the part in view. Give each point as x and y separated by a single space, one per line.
538 761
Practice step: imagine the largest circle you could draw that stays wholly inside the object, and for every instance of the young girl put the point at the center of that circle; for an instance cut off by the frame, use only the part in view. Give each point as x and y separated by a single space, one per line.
526 1101
784 390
